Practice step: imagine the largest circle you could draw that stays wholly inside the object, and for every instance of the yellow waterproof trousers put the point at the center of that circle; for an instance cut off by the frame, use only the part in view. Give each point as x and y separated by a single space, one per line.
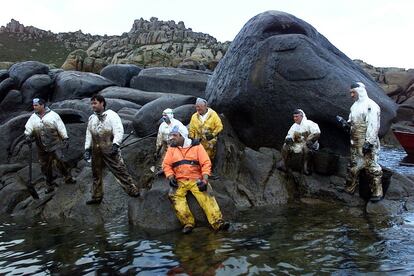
207 202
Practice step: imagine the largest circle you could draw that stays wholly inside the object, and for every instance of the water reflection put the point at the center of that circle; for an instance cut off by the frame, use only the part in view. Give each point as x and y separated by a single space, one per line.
295 239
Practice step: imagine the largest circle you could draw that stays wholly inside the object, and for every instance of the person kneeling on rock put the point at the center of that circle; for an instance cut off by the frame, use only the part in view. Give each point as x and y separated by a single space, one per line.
49 132
103 139
187 167
302 138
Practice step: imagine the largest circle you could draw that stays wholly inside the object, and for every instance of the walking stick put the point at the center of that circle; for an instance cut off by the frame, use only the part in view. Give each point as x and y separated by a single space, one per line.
29 185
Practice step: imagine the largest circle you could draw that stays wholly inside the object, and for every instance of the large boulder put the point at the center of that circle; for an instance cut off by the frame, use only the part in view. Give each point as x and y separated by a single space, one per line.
5 86
84 105
278 63
133 95
23 70
147 118
75 85
4 74
10 133
120 74
172 80
40 86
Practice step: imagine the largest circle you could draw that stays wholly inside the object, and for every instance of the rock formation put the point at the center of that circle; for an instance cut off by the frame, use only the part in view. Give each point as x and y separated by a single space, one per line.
266 80
278 63
157 43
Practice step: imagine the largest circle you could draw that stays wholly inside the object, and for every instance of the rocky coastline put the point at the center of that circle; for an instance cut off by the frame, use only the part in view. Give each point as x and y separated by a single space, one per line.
254 86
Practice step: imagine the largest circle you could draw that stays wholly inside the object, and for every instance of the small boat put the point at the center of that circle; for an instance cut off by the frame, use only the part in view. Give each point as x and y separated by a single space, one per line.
406 140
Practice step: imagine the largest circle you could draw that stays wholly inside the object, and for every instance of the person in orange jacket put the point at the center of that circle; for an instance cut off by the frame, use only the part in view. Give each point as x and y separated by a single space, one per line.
187 167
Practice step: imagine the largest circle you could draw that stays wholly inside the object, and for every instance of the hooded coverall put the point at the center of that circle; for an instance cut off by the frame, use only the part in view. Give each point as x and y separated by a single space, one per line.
200 125
365 123
187 164
49 131
162 137
102 132
301 133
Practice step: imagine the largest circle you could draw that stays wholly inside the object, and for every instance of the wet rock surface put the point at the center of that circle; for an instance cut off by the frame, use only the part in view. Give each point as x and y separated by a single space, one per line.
255 87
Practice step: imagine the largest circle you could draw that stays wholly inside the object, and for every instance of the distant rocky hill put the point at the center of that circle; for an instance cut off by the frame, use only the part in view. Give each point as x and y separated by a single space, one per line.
19 43
150 43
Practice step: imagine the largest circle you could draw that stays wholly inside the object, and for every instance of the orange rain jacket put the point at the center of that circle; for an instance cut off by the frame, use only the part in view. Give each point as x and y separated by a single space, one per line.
186 163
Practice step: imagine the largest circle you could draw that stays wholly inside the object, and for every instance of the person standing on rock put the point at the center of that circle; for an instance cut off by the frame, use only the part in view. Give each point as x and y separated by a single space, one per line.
103 138
187 167
162 138
364 124
205 125
302 138
47 129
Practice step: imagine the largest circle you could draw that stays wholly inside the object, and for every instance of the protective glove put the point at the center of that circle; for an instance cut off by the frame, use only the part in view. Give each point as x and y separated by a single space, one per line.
367 148
87 154
209 136
173 182
344 124
28 139
309 144
289 141
202 185
115 149
65 143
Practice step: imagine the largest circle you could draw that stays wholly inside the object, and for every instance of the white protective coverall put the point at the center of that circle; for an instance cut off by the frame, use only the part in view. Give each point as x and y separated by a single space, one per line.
49 131
163 132
365 123
301 134
103 131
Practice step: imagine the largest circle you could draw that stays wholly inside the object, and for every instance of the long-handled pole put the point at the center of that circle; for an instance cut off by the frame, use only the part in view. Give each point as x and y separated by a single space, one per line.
136 141
29 185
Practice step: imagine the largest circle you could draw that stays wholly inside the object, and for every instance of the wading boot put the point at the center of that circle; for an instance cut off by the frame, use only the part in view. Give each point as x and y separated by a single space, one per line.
94 201
376 189
188 229
223 226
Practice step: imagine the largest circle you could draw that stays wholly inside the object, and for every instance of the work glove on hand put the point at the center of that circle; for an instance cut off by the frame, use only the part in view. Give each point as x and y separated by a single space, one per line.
209 136
28 139
289 141
344 124
87 154
65 143
202 185
173 182
115 149
309 144
367 148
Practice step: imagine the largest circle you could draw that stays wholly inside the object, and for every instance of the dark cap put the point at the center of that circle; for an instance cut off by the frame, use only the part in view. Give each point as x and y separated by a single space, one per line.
39 101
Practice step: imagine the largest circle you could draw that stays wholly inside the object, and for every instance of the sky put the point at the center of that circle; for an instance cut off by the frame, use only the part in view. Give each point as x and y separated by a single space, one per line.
376 31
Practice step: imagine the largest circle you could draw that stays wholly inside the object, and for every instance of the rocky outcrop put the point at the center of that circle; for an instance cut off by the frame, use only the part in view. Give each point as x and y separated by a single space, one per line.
398 84
78 60
70 40
157 43
283 63
175 80
268 81
120 74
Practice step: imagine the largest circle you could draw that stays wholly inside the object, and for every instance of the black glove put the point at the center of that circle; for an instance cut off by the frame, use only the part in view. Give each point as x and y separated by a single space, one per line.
173 182
310 144
202 185
65 143
344 124
28 139
209 136
289 141
87 154
367 148
115 149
